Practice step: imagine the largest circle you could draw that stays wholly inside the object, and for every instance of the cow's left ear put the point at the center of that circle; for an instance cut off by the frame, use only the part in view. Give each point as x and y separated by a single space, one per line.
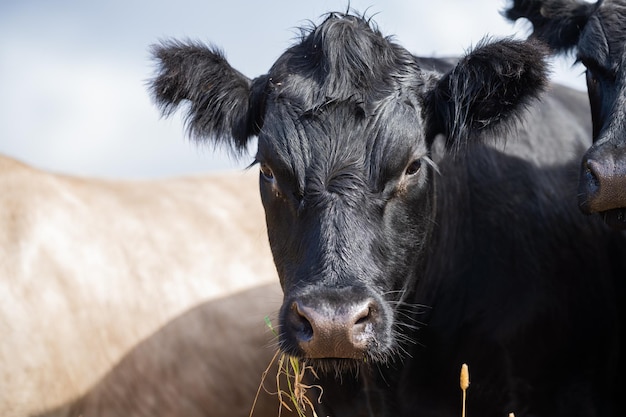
556 22
487 89
224 106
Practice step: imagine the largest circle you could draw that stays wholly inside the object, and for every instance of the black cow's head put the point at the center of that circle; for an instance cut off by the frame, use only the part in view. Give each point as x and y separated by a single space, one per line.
346 121
598 33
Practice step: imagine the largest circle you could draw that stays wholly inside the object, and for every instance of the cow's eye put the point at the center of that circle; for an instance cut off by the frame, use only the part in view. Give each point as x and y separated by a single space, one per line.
413 167
266 172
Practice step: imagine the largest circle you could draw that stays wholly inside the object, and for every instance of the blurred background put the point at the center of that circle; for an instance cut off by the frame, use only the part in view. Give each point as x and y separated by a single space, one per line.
73 73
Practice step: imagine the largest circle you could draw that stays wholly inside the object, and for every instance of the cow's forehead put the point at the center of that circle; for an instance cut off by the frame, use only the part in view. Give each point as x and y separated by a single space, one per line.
342 136
604 37
614 25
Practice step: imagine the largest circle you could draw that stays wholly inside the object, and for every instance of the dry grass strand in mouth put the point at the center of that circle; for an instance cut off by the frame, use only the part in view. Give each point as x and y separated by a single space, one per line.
292 370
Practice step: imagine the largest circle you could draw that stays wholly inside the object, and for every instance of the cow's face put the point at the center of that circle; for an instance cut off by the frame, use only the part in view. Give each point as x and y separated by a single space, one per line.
602 49
598 32
345 122
349 204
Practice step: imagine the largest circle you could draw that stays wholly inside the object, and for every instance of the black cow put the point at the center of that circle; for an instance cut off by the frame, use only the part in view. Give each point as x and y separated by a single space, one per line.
408 239
598 33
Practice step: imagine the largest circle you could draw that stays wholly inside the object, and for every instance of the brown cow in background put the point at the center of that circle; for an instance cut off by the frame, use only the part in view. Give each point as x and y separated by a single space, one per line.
206 362
90 268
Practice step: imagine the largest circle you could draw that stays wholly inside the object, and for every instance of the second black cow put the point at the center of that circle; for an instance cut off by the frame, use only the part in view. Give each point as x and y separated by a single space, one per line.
414 227
597 32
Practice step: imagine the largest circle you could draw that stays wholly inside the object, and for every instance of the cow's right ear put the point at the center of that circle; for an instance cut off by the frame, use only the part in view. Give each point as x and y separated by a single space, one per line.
558 23
224 106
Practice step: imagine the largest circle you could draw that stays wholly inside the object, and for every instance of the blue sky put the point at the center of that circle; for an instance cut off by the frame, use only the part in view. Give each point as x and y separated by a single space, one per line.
73 72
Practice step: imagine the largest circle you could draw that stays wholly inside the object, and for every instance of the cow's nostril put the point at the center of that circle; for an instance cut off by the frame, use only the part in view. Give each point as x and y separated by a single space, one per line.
363 314
300 323
364 318
589 185
592 174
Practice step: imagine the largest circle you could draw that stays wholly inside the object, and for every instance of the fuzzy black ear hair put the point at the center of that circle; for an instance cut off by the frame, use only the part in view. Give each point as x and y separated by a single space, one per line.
224 106
488 89
555 22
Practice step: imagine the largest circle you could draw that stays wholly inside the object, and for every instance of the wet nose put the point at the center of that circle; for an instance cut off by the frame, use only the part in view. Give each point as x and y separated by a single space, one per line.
324 330
602 185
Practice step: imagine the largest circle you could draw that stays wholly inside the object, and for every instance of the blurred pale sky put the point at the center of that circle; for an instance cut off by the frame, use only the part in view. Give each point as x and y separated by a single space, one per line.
73 73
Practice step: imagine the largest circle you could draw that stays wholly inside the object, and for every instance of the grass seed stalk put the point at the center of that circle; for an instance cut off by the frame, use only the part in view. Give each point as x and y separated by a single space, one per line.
464 385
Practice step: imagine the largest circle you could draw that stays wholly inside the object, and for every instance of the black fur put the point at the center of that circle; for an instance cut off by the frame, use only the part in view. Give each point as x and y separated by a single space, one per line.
557 22
466 99
223 103
597 32
400 259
